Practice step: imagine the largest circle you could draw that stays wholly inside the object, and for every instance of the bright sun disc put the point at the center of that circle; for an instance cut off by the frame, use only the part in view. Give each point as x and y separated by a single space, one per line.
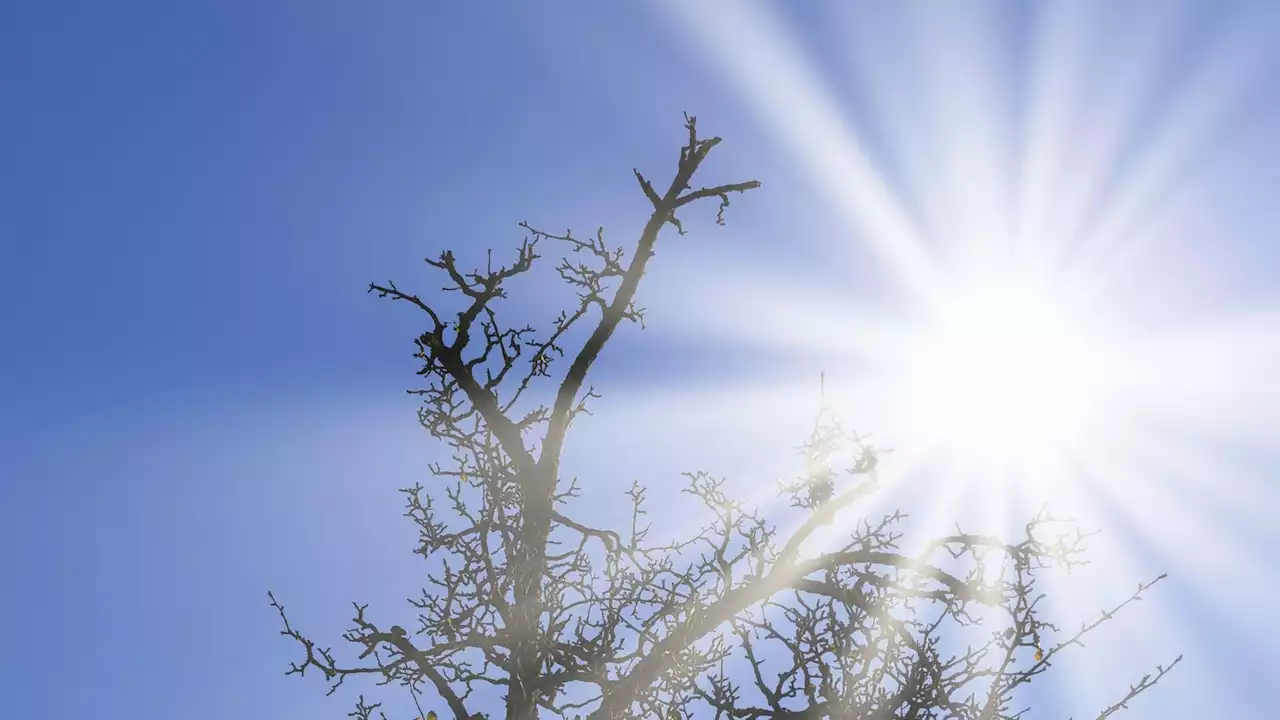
1005 374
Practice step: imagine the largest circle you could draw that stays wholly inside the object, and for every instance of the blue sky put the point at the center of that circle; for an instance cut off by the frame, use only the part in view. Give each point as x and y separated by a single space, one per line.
201 403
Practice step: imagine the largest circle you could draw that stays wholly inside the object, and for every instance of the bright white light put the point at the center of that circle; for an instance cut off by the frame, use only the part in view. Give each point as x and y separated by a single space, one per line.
1004 373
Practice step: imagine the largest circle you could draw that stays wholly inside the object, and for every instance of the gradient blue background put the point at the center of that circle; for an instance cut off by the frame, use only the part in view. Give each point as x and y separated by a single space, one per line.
197 400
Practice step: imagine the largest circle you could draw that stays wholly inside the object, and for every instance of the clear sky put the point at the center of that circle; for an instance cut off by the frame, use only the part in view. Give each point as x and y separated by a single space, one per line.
199 403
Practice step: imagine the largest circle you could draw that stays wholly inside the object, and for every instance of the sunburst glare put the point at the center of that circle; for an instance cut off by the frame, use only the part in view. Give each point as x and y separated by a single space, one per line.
1003 372
1051 346
1007 363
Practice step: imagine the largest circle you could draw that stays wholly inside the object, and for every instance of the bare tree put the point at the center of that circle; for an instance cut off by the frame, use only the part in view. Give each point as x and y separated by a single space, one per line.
736 621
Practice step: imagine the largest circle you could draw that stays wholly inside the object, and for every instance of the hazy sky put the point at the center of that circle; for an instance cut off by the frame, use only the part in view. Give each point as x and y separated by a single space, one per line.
199 402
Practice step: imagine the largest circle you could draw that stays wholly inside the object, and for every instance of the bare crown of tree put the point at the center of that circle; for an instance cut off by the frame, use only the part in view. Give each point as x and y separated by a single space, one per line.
528 608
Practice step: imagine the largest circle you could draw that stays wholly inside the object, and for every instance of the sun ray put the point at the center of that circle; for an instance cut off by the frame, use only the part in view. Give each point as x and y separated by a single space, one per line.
780 85
753 306
1131 492
969 185
1060 176
1210 378
1210 99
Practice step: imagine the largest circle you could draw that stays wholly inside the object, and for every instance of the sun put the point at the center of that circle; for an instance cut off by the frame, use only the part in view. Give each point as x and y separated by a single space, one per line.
1004 372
